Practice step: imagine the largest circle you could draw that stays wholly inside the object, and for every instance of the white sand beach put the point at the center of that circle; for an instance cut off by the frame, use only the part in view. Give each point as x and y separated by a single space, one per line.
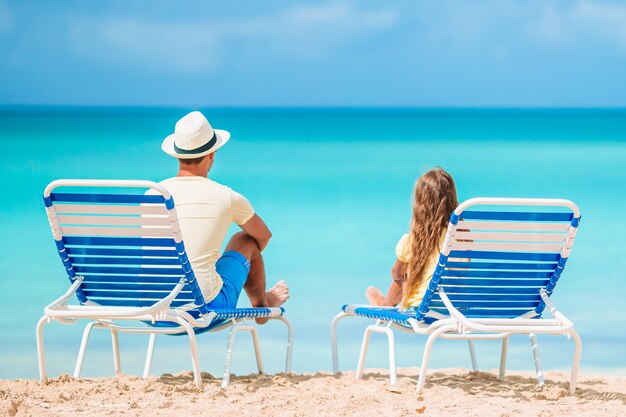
449 392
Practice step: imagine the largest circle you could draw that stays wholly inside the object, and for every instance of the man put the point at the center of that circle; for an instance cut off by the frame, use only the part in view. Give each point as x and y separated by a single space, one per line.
206 209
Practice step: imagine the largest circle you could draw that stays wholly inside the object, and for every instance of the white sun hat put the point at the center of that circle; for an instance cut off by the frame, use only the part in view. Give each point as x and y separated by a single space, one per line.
194 137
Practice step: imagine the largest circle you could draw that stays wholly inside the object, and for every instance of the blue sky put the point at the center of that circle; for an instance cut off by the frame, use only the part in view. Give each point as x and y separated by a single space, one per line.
323 53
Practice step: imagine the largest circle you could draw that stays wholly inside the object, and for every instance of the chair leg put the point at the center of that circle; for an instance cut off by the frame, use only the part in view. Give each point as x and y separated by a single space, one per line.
505 346
472 351
83 348
333 340
393 379
363 353
537 357
116 352
393 375
193 347
578 346
426 357
41 356
149 355
290 339
230 344
257 350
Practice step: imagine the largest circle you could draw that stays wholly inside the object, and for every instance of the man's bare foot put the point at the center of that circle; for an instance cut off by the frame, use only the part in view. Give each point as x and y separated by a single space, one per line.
274 297
375 296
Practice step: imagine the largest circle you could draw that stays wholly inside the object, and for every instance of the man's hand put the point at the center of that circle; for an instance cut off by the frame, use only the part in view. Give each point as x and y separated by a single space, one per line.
257 228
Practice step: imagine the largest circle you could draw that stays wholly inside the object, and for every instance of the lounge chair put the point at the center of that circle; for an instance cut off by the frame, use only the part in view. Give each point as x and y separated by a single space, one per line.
497 270
126 261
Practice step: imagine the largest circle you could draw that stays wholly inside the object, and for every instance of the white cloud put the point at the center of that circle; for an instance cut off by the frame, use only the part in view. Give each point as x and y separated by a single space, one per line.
608 20
311 32
183 47
582 19
305 32
549 26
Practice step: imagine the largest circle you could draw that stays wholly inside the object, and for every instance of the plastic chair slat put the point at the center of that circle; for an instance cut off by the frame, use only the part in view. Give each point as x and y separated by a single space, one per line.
514 215
120 252
503 282
507 246
488 304
133 302
521 226
106 198
479 313
162 232
464 289
489 297
119 241
120 270
100 260
156 210
100 220
131 278
136 294
502 265
129 286
495 274
513 256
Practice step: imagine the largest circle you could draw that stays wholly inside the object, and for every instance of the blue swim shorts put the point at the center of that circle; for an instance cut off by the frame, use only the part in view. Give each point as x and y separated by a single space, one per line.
233 267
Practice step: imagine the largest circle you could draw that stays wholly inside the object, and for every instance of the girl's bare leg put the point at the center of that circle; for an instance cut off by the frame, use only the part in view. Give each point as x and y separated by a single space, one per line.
376 297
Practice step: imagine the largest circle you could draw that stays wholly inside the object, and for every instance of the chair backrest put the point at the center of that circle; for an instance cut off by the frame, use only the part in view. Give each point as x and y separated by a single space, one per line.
126 245
499 254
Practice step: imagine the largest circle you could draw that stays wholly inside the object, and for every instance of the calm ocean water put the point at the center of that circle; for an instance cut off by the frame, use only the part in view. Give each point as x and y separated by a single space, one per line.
334 186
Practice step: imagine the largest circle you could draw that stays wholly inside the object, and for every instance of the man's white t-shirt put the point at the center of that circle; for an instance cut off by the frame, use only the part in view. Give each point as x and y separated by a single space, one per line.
205 210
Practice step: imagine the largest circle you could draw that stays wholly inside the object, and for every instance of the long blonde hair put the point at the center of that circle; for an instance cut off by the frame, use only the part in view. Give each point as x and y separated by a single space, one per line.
434 201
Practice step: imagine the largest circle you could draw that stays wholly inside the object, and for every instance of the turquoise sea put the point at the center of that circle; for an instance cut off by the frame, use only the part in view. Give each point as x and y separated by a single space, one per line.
334 185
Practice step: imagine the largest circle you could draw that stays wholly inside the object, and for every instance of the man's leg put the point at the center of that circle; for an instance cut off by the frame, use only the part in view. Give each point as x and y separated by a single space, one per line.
255 284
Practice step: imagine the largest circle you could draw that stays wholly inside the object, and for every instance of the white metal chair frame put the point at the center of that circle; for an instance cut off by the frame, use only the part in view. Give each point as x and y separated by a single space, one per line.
103 317
459 327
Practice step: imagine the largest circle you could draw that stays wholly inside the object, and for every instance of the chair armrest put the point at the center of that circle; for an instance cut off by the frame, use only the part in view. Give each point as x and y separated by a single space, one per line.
56 308
560 325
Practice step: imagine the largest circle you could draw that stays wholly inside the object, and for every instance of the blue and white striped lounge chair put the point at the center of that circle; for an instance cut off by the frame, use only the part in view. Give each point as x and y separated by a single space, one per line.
497 270
126 261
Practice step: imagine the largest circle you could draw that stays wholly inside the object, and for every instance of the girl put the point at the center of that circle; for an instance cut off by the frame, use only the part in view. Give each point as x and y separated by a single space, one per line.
417 252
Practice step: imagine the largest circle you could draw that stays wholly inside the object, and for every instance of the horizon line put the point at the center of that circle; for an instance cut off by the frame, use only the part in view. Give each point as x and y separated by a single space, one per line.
137 107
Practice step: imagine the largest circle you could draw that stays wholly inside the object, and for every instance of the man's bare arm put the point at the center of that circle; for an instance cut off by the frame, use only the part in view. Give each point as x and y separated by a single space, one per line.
257 228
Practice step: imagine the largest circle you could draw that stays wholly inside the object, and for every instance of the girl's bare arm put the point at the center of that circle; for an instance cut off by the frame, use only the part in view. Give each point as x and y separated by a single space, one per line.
394 294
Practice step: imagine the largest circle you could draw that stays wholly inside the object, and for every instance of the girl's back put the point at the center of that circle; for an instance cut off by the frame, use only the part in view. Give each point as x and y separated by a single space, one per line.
434 200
